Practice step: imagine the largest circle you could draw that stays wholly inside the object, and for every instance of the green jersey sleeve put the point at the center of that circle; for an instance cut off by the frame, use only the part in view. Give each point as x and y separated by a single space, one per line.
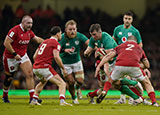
138 36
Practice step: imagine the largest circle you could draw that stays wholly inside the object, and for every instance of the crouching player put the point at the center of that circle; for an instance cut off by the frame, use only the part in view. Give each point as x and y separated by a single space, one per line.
43 57
129 54
102 76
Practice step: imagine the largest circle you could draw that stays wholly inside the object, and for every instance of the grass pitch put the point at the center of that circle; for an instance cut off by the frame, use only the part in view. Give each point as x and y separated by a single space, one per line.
50 106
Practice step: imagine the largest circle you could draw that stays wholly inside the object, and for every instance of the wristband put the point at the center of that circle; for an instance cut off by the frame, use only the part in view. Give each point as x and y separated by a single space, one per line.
14 53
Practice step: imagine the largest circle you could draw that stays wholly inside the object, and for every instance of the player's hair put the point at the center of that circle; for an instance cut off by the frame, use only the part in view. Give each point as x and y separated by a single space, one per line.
70 22
132 38
55 29
129 13
94 27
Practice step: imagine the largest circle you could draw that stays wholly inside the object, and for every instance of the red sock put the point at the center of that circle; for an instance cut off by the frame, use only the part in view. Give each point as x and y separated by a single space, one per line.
152 97
5 93
107 86
31 92
136 92
36 96
94 93
62 97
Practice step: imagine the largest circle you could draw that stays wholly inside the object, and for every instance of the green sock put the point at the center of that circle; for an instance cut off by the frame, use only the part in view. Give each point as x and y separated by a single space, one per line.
125 90
74 97
126 81
77 86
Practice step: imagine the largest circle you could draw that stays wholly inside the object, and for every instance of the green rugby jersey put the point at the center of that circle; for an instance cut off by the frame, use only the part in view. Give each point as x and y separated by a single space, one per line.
106 42
75 44
121 34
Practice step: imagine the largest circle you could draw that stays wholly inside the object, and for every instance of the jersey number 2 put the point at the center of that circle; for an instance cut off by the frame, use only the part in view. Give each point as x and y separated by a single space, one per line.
41 49
130 46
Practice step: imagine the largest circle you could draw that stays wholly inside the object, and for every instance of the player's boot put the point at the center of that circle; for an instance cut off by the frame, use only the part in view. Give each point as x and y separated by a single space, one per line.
138 101
34 102
145 102
75 101
130 101
79 93
65 104
155 104
122 100
101 97
90 99
39 100
5 100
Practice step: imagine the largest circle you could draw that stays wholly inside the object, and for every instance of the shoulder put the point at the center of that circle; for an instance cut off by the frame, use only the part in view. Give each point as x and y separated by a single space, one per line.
135 29
105 34
118 27
80 35
15 28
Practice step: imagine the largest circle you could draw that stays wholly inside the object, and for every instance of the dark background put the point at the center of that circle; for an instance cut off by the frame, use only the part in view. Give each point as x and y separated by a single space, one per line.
44 17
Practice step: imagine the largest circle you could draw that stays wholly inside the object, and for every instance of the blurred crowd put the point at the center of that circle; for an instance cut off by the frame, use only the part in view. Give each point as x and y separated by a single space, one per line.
44 19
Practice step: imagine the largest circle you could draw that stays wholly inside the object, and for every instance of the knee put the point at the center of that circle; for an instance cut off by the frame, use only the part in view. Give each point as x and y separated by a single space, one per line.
29 74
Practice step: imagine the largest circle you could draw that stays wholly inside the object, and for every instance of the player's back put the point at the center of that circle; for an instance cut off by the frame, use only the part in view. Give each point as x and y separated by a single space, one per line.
45 55
129 54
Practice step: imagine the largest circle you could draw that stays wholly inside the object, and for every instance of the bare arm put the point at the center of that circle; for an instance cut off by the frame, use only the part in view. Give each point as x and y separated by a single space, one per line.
106 58
88 51
37 39
59 61
140 44
114 38
146 63
35 54
87 42
7 44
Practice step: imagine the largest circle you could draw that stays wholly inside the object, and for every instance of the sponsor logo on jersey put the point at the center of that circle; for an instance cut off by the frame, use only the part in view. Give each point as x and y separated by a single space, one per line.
129 33
11 34
23 41
124 39
67 44
76 42
120 33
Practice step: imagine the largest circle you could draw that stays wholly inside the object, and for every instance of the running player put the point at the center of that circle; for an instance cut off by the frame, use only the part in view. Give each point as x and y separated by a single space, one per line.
71 44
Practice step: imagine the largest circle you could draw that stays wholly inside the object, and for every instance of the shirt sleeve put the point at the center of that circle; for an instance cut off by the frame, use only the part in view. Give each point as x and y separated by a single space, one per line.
114 33
91 43
83 38
12 34
138 36
32 34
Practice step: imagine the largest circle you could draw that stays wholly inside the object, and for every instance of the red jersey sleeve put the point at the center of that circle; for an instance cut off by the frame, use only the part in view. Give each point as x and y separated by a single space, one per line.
32 34
12 34
143 55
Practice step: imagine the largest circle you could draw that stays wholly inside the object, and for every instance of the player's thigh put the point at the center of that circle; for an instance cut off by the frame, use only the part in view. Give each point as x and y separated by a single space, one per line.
136 73
117 73
27 69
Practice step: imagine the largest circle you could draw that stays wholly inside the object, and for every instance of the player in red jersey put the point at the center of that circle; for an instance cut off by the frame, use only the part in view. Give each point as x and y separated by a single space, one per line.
42 67
129 55
15 55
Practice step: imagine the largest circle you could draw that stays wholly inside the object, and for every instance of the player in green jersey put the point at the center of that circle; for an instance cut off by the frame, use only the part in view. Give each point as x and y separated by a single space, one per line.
103 40
71 43
121 34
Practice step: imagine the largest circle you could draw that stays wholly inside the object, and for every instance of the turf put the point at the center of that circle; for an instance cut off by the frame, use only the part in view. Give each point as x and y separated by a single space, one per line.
50 106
